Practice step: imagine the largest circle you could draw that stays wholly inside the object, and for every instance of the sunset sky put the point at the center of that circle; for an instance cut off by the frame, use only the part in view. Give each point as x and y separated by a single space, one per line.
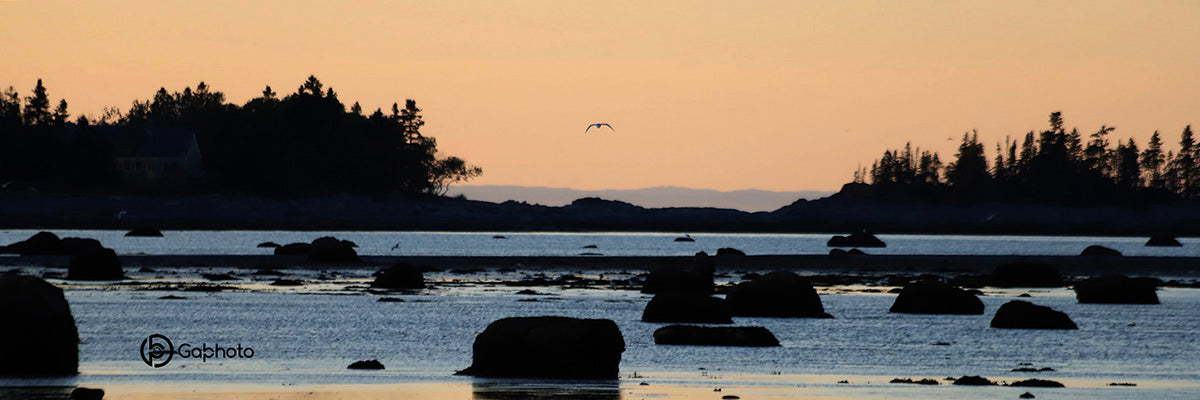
777 95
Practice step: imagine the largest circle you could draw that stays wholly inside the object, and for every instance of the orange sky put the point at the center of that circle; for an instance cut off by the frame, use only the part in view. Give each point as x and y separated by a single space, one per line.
778 95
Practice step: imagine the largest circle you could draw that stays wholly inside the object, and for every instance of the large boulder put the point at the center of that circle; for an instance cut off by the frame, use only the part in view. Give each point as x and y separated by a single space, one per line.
856 239
95 265
1163 240
1019 314
1025 274
696 278
1097 250
777 294
730 252
1116 289
399 276
292 249
751 336
548 347
687 307
39 332
931 297
330 250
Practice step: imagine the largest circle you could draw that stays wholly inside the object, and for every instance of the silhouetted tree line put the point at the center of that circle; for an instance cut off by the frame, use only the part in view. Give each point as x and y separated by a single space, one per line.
305 142
1053 166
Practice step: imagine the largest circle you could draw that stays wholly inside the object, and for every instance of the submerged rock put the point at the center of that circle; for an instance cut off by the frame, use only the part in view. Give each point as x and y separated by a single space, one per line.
931 297
777 294
856 239
39 334
1116 289
268 245
365 364
1018 314
973 380
144 232
687 307
548 347
95 265
1163 240
1096 250
1036 383
82 393
750 336
1025 274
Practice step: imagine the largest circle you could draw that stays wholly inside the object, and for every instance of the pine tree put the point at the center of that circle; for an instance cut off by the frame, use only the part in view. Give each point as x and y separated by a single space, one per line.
1152 160
37 107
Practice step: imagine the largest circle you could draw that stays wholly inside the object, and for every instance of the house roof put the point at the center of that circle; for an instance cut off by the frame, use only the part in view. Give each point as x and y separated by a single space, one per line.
149 142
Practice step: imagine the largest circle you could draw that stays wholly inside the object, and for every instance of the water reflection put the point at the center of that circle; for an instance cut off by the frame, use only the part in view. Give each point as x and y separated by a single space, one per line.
492 389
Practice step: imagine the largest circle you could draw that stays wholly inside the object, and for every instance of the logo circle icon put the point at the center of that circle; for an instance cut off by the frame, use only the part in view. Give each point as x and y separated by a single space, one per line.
157 347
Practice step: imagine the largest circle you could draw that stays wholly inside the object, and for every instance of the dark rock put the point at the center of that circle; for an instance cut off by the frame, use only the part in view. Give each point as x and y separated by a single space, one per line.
1025 274
1025 295
685 239
1018 314
591 254
1095 250
268 245
95 265
591 246
287 282
366 364
172 297
925 381
71 246
687 307
777 294
267 272
1122 384
750 336
41 243
1116 289
1027 395
730 397
837 253
292 249
931 297
856 252
82 393
499 237
1163 240
973 381
330 250
548 347
528 292
694 279
146 270
730 252
1031 369
144 232
856 239
400 276
39 333
389 300
1036 383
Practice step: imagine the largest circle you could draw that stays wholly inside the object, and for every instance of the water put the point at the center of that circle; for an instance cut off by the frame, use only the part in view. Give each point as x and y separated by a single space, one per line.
305 337
610 244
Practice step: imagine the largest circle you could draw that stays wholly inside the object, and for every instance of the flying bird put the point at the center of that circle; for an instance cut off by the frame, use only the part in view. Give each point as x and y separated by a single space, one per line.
598 126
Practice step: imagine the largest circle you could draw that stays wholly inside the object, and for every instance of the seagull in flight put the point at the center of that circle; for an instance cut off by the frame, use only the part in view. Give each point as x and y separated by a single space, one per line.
598 126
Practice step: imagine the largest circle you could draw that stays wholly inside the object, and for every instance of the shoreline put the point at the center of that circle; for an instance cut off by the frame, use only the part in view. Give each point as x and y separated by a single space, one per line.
1067 265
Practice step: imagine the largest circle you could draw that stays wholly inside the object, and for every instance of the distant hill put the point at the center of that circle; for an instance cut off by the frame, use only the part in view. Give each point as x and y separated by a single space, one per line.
655 197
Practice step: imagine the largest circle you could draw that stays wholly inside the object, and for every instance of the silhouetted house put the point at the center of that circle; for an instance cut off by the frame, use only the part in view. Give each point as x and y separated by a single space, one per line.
155 156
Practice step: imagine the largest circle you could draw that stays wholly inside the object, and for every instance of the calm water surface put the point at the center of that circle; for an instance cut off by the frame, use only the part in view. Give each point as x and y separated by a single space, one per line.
612 244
